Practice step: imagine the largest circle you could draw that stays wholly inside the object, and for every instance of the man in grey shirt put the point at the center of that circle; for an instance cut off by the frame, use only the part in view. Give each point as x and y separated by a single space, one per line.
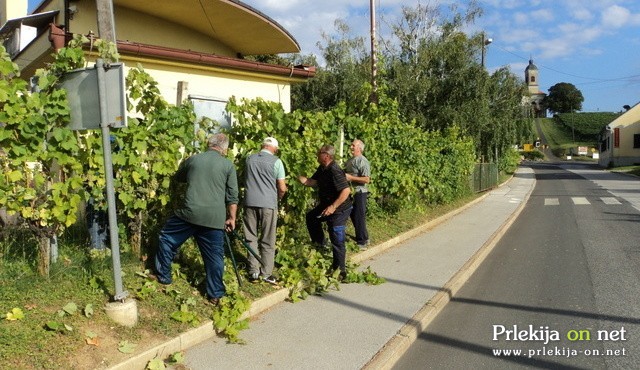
265 185
358 173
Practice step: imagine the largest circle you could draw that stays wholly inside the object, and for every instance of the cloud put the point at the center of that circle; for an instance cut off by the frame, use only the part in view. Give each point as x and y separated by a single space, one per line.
542 15
615 16
581 14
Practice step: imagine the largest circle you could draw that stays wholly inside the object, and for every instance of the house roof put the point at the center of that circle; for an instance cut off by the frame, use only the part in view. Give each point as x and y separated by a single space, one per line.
233 22
39 21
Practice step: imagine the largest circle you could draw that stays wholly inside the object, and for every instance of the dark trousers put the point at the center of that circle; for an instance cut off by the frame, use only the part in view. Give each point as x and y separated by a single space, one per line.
210 242
359 217
336 224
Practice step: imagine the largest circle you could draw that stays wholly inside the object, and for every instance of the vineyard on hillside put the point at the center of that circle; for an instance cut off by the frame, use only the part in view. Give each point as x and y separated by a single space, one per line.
586 126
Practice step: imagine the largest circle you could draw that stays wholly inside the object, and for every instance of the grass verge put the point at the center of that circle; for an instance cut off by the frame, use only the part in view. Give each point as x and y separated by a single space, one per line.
63 323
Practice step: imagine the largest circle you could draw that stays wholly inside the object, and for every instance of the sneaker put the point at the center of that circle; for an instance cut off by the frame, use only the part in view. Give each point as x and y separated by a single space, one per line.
154 277
253 277
270 279
362 246
213 301
342 276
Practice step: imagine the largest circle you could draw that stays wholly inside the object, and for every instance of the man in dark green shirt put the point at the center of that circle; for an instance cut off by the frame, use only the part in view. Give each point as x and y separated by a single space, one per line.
208 210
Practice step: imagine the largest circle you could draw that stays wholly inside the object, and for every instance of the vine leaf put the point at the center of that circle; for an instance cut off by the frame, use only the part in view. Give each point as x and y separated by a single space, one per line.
156 364
126 347
70 308
14 314
92 339
88 310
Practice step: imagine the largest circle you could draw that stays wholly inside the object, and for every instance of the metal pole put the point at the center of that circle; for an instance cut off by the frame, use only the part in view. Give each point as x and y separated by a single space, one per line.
108 171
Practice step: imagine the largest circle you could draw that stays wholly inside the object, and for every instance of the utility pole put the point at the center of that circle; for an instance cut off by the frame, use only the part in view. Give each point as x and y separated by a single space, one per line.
374 66
106 23
485 42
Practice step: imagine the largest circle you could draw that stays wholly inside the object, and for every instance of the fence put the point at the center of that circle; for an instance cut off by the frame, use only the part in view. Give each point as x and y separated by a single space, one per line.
485 176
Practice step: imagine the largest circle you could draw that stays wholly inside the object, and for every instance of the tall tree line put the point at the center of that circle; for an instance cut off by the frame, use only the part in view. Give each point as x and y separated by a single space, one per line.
432 68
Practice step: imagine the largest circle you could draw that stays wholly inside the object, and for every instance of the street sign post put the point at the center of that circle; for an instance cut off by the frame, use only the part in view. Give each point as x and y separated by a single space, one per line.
97 100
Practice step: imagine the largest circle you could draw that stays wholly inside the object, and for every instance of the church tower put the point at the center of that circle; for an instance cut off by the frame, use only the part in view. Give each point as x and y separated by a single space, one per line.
531 77
536 97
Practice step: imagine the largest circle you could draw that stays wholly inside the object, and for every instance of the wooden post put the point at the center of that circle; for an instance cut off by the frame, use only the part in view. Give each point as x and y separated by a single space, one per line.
106 23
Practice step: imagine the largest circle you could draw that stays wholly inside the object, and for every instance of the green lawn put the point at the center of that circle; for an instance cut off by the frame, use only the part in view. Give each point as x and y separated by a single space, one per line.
633 170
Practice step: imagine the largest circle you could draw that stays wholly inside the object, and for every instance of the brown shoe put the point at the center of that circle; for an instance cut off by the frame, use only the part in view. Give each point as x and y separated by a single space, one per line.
213 301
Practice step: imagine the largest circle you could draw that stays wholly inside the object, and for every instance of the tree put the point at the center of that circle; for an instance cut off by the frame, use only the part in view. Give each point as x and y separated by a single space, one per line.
346 69
564 97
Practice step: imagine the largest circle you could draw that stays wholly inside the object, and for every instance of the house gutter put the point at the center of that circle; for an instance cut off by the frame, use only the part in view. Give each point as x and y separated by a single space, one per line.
213 60
150 53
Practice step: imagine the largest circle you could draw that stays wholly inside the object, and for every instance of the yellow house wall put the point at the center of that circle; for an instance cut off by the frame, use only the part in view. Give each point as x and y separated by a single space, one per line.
214 83
628 125
10 9
625 154
626 148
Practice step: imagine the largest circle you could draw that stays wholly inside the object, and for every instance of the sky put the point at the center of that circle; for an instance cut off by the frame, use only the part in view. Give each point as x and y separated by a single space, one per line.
594 45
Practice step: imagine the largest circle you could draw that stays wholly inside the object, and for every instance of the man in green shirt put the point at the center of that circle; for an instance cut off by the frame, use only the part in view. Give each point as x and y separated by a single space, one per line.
209 208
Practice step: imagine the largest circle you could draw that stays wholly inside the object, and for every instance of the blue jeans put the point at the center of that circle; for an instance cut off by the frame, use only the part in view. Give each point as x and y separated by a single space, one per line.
337 225
210 242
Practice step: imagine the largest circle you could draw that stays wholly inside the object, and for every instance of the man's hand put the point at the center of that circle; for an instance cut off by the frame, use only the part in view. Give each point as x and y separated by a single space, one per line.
230 224
328 211
307 181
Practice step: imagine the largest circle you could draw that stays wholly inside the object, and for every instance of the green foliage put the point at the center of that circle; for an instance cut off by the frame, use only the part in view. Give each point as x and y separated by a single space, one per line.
561 137
58 327
126 347
533 155
40 163
227 317
509 161
69 309
412 168
586 126
15 314
156 364
564 97
146 153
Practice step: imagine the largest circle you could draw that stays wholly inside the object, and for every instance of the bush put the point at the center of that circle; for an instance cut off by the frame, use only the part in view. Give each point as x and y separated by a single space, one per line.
509 161
533 155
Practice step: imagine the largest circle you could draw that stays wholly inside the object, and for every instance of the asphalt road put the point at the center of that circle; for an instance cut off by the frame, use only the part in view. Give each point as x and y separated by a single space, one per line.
562 285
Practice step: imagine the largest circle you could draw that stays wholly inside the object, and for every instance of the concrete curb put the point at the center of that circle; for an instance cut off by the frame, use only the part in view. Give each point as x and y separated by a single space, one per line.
195 336
206 330
395 348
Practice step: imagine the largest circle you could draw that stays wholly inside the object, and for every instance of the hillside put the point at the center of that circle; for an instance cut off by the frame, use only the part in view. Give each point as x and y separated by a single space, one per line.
567 131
